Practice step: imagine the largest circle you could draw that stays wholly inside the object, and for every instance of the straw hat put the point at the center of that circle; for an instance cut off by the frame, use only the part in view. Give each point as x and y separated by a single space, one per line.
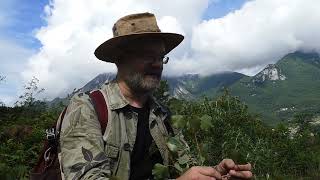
134 27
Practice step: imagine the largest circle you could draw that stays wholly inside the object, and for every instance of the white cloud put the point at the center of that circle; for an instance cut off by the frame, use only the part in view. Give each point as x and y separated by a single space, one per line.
7 100
261 32
76 27
244 40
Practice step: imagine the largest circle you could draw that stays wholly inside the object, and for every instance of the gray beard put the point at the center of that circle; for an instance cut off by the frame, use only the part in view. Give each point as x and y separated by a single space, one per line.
136 83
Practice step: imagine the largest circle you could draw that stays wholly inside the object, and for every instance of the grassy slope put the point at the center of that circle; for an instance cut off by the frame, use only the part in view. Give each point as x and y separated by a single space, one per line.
301 90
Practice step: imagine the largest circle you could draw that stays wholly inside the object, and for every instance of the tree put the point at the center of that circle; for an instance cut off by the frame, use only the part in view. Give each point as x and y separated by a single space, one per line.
31 90
28 98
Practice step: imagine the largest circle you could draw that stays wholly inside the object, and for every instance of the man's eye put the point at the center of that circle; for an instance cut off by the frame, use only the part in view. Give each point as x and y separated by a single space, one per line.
149 59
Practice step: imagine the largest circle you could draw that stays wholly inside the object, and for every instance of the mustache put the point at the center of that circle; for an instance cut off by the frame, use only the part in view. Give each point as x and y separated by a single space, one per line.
155 73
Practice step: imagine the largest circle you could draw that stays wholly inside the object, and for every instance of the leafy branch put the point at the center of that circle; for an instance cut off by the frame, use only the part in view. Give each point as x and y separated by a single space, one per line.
28 98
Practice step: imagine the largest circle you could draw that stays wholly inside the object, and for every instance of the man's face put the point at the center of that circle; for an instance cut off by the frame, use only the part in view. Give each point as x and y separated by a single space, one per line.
143 66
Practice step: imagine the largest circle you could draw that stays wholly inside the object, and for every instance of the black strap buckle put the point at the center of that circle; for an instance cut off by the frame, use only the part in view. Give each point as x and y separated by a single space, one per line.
51 135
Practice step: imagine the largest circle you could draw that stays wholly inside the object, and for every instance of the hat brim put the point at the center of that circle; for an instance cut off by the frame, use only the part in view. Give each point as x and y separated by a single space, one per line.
110 50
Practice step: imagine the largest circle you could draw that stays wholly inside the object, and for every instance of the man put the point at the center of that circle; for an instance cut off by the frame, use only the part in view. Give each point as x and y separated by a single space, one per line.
135 137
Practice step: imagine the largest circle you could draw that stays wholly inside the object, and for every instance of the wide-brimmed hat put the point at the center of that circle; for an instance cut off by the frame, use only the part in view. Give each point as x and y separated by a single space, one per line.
134 27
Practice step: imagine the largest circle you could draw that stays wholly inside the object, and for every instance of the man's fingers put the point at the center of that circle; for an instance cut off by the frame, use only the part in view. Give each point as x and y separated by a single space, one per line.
244 167
228 163
241 174
225 165
209 171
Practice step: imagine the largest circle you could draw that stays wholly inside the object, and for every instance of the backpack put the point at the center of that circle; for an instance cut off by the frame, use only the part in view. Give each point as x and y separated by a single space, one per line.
48 166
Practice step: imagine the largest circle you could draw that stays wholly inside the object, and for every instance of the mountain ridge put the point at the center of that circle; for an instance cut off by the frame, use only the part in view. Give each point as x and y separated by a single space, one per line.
277 92
282 98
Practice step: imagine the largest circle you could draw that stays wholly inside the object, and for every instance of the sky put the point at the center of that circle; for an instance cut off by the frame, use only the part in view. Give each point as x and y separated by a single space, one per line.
54 40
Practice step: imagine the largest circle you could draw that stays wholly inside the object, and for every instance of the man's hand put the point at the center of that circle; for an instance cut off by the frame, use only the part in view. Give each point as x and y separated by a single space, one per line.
200 173
226 169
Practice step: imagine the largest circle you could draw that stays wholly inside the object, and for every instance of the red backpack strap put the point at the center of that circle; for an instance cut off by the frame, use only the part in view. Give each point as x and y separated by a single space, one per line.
101 108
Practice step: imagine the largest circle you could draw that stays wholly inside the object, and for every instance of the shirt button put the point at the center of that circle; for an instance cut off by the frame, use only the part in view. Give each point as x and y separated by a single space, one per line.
126 147
153 124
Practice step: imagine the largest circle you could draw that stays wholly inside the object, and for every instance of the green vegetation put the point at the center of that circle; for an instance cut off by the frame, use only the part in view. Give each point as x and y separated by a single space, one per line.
225 128
282 99
22 134
214 129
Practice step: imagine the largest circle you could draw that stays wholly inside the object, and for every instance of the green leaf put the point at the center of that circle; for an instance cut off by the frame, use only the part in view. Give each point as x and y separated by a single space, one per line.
205 122
184 159
160 171
194 123
236 156
178 121
174 144
178 167
202 159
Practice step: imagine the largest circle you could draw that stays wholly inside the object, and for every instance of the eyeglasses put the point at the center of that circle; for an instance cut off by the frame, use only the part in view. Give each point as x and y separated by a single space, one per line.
148 59
154 59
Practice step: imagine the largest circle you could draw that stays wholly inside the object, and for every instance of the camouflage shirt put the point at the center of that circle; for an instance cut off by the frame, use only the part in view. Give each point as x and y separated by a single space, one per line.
87 154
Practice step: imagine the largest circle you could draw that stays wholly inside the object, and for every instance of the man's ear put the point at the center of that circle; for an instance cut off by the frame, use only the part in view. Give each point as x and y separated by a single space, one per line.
120 66
120 63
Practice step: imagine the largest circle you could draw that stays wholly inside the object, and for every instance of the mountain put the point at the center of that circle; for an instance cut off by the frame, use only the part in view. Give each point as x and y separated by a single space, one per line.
280 90
193 86
271 73
97 81
189 86
290 86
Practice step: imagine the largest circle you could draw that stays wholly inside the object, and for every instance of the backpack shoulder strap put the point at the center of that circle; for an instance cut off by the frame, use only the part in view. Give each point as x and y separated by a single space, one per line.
101 108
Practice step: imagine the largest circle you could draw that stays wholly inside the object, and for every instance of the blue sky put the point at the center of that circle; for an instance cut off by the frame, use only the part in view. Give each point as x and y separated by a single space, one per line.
19 21
220 8
22 18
